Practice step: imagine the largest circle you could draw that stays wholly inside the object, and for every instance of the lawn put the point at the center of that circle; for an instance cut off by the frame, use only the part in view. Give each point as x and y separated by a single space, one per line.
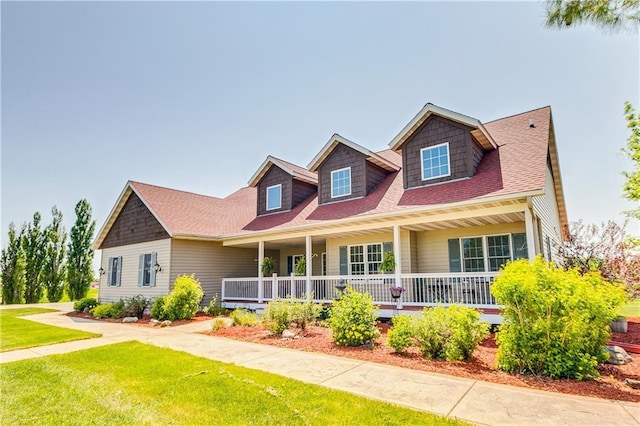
93 293
631 309
18 333
132 383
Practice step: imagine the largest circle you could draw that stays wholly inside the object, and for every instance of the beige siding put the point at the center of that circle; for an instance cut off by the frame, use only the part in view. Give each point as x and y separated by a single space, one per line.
432 250
333 248
210 262
129 278
546 209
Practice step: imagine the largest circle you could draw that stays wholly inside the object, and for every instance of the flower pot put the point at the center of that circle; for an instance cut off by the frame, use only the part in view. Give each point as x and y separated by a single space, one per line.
619 326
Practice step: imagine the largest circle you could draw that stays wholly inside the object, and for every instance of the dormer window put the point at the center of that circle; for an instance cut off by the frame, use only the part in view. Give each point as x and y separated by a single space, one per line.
274 197
435 161
341 182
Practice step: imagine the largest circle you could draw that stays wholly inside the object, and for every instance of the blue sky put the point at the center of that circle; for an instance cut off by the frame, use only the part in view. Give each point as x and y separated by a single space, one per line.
194 96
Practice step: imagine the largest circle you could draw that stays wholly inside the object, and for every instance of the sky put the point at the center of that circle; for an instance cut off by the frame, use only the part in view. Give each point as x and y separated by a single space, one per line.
195 95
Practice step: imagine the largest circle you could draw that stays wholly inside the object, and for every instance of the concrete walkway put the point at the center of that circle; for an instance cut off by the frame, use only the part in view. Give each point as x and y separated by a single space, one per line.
466 399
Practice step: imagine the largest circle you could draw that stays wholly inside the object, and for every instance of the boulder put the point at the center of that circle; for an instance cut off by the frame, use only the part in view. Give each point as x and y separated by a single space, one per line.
633 383
288 334
154 322
165 323
86 310
130 319
617 355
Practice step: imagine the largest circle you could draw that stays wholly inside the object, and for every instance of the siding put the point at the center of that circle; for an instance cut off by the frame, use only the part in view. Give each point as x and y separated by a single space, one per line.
135 224
302 191
375 175
333 249
129 279
342 157
476 156
432 251
210 262
545 208
274 176
436 130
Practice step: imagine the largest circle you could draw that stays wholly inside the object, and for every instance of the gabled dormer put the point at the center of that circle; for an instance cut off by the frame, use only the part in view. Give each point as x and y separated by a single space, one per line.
439 145
347 170
282 186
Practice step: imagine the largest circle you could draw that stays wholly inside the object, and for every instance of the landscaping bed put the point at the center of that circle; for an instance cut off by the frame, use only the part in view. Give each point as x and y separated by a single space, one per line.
610 384
144 321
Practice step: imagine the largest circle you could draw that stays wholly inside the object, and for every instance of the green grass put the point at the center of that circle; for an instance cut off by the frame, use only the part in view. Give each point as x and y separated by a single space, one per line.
93 292
132 383
631 309
18 333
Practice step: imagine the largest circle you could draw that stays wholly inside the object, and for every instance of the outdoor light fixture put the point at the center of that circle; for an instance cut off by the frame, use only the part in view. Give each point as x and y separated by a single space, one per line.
157 267
101 271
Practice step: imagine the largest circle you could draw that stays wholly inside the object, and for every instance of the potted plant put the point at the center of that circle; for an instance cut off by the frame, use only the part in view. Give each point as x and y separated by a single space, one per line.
388 263
268 266
301 267
619 324
396 292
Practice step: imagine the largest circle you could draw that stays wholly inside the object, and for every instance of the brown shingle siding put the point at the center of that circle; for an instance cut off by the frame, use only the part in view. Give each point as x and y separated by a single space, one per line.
301 191
375 175
342 157
275 176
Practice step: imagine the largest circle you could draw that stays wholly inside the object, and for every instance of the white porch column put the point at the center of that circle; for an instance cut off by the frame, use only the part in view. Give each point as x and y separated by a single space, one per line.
260 260
528 222
397 257
309 262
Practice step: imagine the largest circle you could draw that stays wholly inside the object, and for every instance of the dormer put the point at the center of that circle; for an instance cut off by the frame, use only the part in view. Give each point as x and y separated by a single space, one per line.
439 145
347 170
282 186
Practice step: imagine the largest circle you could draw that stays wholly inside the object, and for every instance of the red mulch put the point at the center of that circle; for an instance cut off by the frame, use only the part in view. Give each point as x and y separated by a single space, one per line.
610 384
143 322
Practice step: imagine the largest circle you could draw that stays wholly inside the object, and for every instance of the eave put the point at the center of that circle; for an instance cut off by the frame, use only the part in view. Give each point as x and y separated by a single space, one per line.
335 140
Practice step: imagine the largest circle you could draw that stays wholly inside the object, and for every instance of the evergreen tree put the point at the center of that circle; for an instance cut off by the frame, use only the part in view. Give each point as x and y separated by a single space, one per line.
12 289
80 253
607 14
53 273
34 243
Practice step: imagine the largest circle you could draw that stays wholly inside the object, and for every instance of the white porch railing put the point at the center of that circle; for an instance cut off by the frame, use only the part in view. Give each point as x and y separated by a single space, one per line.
470 289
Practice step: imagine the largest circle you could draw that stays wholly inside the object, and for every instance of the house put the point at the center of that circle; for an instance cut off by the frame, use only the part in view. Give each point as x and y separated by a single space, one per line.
452 199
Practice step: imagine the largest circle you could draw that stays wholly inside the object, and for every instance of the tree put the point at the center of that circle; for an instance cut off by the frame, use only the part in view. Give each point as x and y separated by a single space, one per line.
80 254
609 14
11 267
53 273
34 243
632 185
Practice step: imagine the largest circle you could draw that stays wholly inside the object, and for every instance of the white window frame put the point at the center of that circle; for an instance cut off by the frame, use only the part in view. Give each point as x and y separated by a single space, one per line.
333 172
111 272
431 148
268 198
485 248
365 257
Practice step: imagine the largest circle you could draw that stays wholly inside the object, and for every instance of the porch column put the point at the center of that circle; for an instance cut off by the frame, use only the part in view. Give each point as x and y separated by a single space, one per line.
308 256
260 260
396 254
528 222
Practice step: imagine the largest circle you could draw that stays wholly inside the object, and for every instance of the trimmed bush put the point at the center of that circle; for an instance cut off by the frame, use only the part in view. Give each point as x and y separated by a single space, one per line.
184 300
353 319
109 310
135 306
157 308
87 302
215 308
450 333
244 318
399 337
282 313
556 322
219 323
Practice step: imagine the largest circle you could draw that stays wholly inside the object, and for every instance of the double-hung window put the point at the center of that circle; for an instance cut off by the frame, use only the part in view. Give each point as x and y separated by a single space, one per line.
147 270
341 182
365 259
114 271
435 161
472 254
486 253
274 197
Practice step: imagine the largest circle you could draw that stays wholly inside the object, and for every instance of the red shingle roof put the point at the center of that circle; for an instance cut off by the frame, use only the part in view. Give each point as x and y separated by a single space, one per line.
517 166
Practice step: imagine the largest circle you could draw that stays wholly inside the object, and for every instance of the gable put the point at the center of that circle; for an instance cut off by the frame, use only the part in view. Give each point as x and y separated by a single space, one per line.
342 157
274 176
134 224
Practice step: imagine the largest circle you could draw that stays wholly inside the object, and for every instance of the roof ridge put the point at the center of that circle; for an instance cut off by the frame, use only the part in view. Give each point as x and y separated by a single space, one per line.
175 190
520 113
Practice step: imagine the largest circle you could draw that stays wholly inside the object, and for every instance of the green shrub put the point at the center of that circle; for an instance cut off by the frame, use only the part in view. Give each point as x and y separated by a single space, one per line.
399 337
135 306
282 313
215 308
353 319
183 301
109 310
450 333
244 318
87 302
219 323
556 322
157 309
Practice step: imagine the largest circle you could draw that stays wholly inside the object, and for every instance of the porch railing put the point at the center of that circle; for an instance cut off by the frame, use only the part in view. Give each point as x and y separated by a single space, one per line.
471 289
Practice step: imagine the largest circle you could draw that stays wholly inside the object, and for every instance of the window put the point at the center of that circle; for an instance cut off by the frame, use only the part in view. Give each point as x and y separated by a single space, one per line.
498 251
341 182
435 161
472 254
324 263
274 197
486 253
114 271
365 259
146 270
292 263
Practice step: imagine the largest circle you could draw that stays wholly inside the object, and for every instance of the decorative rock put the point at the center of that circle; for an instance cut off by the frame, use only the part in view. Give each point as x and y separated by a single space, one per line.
288 334
617 355
130 319
165 323
154 322
86 310
633 383
619 326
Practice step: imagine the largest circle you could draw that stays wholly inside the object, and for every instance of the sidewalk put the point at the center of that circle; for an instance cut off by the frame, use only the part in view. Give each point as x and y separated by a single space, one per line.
466 399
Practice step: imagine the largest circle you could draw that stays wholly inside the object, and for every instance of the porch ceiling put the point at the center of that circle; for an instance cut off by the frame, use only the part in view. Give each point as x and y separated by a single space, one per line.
467 222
